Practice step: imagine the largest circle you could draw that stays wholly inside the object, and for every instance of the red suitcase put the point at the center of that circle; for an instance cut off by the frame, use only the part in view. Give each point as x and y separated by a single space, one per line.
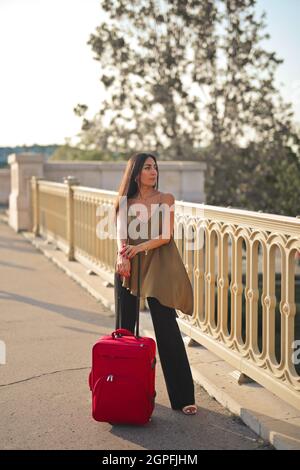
122 379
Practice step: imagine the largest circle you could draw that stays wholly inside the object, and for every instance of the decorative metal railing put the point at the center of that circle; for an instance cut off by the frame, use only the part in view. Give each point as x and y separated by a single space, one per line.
244 268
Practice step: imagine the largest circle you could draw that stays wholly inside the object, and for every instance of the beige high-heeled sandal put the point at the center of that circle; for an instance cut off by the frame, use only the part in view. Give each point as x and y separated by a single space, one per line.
190 409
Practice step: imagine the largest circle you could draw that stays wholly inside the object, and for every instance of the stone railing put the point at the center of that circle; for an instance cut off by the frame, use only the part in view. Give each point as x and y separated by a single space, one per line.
183 179
243 266
67 214
246 280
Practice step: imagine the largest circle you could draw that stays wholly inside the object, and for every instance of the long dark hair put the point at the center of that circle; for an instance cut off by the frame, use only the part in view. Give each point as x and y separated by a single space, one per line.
129 186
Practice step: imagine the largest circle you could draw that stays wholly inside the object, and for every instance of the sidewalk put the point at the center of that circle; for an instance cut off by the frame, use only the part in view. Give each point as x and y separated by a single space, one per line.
49 324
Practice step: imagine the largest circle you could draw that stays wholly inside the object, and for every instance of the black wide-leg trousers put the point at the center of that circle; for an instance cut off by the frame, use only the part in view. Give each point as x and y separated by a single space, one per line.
170 345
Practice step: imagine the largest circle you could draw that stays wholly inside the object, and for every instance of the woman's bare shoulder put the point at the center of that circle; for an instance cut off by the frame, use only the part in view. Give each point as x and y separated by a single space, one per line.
168 198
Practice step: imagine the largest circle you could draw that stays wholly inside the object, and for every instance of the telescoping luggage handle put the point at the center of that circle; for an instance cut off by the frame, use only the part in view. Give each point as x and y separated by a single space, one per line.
118 317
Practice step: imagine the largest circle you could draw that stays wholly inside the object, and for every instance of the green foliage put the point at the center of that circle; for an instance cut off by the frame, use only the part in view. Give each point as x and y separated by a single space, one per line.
254 178
6 151
185 75
69 153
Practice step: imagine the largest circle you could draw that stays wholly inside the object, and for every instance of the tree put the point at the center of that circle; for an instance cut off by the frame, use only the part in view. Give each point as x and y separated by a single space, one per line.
254 156
148 71
185 75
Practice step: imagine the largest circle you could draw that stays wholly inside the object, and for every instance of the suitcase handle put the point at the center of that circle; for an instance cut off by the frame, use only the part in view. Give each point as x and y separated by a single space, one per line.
121 332
118 313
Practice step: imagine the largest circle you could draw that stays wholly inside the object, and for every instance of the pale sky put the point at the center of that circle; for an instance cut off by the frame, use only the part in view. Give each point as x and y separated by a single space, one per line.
47 67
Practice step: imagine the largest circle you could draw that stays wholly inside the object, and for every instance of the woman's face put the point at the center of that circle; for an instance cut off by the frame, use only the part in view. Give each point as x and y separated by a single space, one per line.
148 175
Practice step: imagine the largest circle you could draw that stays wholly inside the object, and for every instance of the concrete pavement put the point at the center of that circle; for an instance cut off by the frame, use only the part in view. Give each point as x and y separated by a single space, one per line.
49 324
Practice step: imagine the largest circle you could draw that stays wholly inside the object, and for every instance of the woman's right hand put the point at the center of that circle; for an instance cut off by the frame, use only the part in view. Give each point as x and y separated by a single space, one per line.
123 266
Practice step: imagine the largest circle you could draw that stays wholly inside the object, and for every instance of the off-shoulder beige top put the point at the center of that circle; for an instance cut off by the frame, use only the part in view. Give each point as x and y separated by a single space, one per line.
163 274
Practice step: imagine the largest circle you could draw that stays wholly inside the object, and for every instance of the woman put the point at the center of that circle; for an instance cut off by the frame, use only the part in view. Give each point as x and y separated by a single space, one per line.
164 280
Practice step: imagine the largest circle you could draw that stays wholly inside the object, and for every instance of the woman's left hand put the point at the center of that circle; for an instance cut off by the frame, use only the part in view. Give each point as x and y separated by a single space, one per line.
130 250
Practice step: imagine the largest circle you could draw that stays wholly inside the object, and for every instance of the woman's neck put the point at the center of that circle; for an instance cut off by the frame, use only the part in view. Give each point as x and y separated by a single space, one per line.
145 193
